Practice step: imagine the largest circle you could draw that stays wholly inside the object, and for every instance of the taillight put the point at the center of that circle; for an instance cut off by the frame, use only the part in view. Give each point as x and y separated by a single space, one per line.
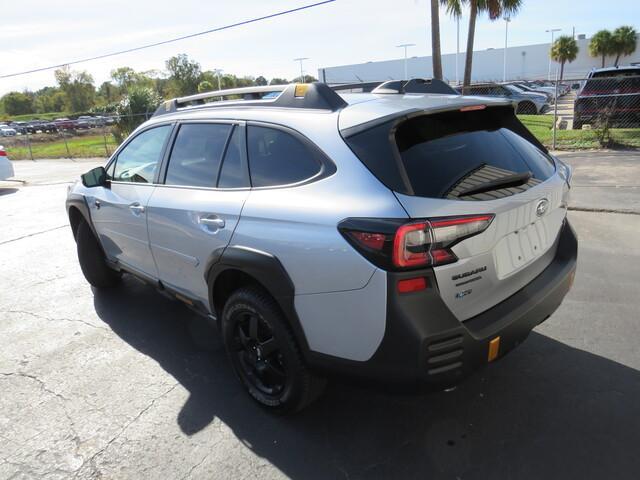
3 153
396 245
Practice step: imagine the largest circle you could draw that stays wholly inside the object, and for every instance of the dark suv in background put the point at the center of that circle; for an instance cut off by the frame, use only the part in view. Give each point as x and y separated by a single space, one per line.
609 95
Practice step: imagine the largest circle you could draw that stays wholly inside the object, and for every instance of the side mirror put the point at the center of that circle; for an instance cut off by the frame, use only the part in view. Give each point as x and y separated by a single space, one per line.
96 177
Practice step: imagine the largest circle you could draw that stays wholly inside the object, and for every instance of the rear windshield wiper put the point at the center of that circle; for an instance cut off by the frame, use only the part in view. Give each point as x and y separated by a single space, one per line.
507 181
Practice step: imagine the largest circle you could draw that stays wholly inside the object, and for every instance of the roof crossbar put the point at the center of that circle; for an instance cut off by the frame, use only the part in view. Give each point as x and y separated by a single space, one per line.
415 85
301 95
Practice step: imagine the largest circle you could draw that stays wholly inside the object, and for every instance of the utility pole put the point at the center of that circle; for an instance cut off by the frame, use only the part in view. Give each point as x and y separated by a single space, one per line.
405 46
506 35
551 31
301 59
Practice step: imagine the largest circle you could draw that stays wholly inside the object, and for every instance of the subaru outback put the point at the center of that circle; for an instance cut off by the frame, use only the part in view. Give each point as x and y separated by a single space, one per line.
401 237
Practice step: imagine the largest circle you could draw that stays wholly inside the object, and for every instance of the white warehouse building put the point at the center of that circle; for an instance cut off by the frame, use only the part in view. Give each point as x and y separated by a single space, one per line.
525 62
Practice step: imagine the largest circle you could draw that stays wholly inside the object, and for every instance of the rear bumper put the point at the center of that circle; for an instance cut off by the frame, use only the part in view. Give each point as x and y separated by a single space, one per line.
426 346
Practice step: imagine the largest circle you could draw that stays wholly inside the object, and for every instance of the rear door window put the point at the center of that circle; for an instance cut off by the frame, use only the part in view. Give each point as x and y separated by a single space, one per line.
277 157
196 154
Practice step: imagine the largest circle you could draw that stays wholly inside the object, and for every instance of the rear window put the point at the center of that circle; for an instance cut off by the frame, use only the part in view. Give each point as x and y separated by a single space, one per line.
623 84
435 154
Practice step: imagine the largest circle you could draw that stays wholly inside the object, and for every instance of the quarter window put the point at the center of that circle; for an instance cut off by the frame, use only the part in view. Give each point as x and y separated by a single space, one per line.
196 154
138 160
278 158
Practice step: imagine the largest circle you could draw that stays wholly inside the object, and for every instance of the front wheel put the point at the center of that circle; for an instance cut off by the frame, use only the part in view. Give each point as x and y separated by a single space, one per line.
92 260
264 353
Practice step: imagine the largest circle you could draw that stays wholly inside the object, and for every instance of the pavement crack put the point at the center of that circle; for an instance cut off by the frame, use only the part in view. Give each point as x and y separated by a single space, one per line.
61 319
603 210
91 460
43 385
33 234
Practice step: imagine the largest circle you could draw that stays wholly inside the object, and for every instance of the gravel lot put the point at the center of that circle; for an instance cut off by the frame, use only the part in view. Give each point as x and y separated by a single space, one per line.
126 384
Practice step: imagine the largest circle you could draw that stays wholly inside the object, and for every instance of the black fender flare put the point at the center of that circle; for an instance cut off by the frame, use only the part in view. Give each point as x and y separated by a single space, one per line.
267 270
79 202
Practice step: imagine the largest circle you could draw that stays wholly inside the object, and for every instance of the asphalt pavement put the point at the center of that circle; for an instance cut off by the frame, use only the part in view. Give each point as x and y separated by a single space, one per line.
126 384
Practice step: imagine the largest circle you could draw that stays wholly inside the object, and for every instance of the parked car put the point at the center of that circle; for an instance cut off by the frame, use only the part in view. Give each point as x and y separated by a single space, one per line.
549 93
7 131
611 96
6 168
403 239
64 124
527 103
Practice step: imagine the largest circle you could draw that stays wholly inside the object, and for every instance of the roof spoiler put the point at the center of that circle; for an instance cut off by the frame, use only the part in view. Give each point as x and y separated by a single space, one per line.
415 85
297 95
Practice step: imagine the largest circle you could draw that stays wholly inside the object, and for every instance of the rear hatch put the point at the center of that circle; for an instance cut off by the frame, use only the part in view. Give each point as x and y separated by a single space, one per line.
474 160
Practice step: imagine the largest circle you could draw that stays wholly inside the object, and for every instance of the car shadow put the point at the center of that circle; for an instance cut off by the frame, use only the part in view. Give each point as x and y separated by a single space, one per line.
546 410
7 191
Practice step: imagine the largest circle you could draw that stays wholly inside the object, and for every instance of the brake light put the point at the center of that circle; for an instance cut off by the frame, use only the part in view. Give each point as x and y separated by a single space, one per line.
3 153
395 245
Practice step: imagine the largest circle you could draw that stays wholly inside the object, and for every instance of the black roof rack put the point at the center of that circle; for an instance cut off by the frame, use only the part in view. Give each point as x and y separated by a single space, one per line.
415 85
365 86
301 95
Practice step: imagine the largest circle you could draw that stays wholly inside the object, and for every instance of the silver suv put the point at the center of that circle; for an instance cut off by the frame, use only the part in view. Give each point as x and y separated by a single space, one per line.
396 236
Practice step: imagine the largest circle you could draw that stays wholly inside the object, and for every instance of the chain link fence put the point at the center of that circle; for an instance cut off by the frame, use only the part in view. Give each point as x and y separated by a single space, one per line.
602 111
82 137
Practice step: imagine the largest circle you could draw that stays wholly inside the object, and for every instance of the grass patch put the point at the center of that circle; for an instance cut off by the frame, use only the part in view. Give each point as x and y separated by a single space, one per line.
85 146
542 127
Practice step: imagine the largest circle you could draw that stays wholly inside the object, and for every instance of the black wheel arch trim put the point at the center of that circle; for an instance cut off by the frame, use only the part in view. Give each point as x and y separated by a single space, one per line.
267 270
79 202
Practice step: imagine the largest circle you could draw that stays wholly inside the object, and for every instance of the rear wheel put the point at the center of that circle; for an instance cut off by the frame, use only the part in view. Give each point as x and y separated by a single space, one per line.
92 259
527 108
264 353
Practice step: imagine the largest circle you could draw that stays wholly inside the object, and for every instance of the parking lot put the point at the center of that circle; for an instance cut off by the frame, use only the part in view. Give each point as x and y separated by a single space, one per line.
127 384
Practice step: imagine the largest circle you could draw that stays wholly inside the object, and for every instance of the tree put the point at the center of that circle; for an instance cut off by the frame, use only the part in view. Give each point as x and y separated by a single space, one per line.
307 79
624 42
184 74
17 103
564 49
261 81
278 81
601 44
77 87
134 108
495 9
436 54
205 86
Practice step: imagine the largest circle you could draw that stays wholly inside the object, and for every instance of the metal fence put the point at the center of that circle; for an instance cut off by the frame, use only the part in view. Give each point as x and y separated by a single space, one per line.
572 114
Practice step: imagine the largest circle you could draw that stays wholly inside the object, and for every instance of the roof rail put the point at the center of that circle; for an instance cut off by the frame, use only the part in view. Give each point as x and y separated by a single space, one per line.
416 85
296 95
365 86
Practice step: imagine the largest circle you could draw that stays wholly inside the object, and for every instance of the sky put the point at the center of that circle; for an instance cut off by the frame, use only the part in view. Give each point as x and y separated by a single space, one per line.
36 34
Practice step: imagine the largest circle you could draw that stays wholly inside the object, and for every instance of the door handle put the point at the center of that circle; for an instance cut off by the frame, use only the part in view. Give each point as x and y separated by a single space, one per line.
216 222
136 208
97 203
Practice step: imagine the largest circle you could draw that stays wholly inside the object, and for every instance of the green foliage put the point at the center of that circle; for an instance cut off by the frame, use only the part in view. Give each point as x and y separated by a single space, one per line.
77 87
278 81
205 86
601 45
563 50
17 103
624 41
134 108
184 75
307 79
260 80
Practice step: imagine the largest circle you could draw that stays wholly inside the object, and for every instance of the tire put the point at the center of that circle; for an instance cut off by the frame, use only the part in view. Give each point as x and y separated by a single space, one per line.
527 108
92 260
577 125
264 353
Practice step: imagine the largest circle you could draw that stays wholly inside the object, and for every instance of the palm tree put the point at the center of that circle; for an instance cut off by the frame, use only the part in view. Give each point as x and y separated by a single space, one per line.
564 49
454 8
495 9
624 41
601 44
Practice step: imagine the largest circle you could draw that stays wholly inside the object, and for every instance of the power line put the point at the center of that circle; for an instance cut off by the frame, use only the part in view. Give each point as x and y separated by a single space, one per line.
177 39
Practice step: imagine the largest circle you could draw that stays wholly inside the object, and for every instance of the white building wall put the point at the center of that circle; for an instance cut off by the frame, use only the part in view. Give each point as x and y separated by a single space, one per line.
526 62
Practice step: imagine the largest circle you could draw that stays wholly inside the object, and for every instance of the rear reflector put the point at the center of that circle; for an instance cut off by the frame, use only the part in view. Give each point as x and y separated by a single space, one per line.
471 108
412 285
494 349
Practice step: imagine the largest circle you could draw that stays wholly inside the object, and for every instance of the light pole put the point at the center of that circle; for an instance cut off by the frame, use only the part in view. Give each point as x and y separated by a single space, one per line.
506 35
218 71
551 31
301 59
405 46
457 46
